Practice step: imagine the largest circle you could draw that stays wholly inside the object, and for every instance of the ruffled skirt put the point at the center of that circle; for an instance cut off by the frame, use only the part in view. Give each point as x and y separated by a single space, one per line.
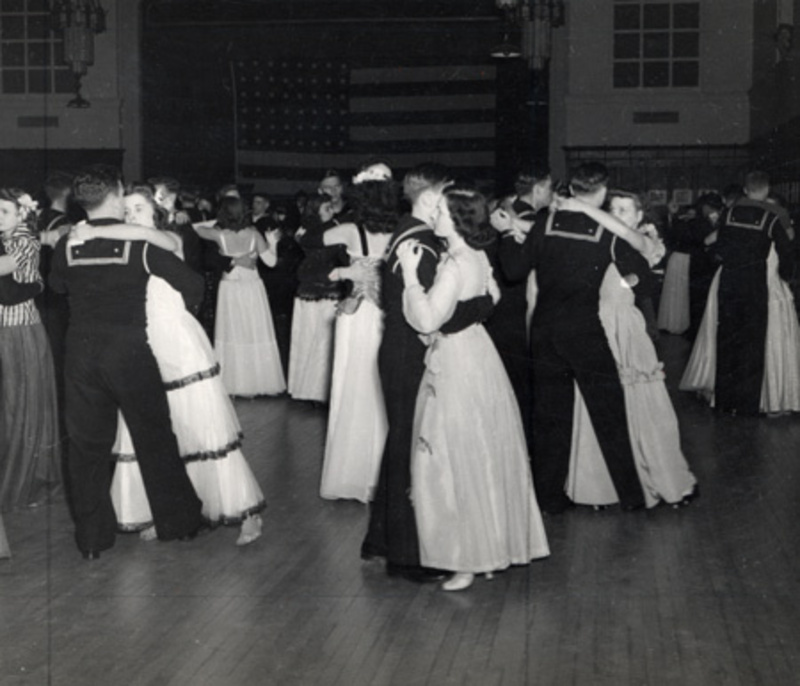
206 427
652 422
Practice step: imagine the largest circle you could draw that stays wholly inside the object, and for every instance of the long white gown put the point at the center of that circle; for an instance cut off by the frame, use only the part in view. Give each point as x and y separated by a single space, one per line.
357 424
780 389
203 419
652 423
472 488
244 335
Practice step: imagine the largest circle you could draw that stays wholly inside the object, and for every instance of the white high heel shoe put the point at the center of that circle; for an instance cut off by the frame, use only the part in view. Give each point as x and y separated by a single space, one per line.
250 531
459 581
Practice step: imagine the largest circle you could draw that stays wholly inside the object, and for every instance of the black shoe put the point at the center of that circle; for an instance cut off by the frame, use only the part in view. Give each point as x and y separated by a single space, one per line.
186 538
416 574
633 507
558 508
687 499
90 554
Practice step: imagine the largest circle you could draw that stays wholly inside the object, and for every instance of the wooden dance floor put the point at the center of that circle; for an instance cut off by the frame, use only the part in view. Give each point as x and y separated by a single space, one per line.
703 596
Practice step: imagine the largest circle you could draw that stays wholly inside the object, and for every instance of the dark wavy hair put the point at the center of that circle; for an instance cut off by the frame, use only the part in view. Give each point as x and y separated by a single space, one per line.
232 214
376 205
310 219
470 214
160 217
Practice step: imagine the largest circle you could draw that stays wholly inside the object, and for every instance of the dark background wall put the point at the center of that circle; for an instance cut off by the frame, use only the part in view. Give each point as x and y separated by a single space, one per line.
187 107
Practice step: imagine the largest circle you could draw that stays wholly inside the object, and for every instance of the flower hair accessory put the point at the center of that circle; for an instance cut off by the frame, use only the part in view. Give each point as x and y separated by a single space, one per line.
375 172
27 203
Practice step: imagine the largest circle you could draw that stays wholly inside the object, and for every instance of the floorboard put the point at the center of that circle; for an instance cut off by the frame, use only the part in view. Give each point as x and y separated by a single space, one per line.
701 596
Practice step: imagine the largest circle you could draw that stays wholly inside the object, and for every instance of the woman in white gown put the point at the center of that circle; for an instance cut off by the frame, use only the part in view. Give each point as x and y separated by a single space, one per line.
652 422
315 305
203 418
244 335
357 423
780 389
472 488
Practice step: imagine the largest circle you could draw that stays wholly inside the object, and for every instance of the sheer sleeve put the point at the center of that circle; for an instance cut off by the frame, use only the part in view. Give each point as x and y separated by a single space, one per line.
427 312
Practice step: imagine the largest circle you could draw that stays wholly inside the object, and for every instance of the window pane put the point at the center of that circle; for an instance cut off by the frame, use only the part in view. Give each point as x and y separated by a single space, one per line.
686 44
686 74
656 45
58 53
13 81
12 5
656 74
39 81
38 54
12 28
13 55
64 81
626 75
656 16
626 46
39 26
37 6
686 15
626 17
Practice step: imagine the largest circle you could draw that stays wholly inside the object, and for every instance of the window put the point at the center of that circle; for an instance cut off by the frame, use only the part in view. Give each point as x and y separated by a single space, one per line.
31 56
656 44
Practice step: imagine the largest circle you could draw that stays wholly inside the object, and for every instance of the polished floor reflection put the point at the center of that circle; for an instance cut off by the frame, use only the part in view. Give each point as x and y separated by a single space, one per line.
701 596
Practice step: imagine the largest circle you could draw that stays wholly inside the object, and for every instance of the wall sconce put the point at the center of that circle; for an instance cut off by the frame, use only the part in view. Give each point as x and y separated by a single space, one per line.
540 18
78 20
507 49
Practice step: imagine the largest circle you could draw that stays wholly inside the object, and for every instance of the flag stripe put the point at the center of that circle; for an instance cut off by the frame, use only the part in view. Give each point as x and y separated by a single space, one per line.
422 117
318 161
294 119
420 132
441 73
420 89
471 102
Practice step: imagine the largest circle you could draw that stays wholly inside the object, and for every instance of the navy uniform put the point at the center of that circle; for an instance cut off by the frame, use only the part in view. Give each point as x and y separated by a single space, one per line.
392 531
508 328
570 254
746 234
110 366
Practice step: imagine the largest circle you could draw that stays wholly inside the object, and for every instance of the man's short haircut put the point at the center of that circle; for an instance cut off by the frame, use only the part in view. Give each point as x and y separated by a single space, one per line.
92 185
588 178
526 180
756 181
423 177
57 184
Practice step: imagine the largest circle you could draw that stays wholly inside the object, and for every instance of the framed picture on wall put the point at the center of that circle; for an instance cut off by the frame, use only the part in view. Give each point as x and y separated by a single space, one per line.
682 196
657 197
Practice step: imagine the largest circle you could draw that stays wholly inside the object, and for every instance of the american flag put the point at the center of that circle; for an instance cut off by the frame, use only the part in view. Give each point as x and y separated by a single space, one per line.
296 118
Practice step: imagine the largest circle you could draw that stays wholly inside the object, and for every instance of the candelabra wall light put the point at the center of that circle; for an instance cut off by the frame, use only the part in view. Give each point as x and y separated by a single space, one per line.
509 48
526 29
78 21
